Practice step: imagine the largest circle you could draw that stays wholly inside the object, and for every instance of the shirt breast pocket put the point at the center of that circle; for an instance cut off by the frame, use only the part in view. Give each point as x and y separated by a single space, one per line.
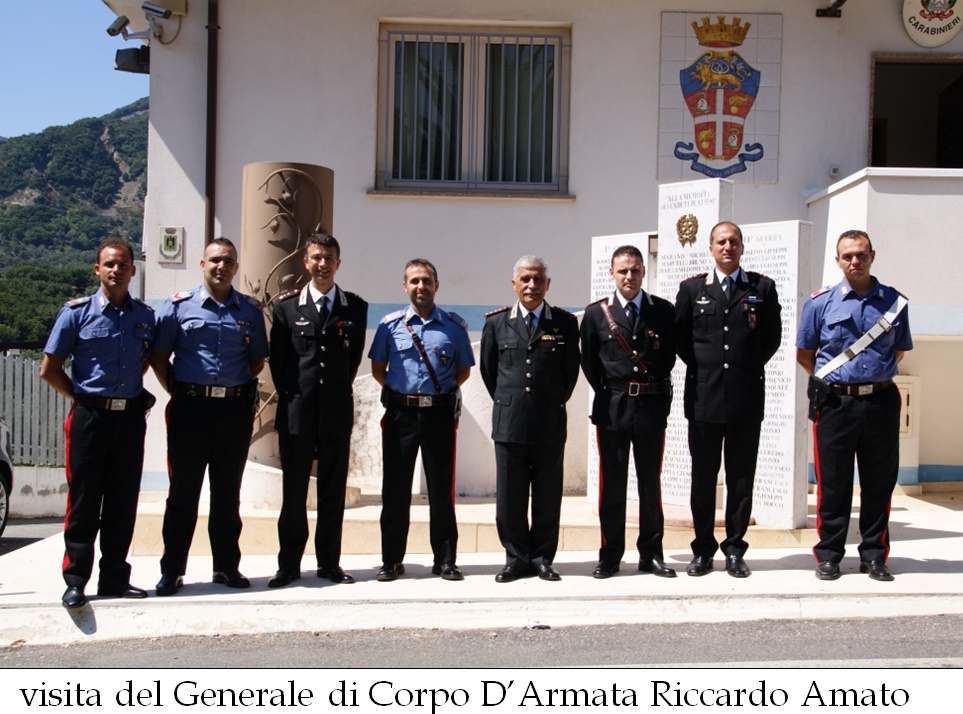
96 339
506 352
841 329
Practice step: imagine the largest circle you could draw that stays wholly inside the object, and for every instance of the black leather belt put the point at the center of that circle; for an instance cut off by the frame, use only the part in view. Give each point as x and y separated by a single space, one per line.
214 391
636 389
115 405
421 400
860 390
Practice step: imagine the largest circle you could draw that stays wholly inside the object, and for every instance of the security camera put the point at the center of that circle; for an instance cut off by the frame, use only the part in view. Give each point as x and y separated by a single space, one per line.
155 10
118 26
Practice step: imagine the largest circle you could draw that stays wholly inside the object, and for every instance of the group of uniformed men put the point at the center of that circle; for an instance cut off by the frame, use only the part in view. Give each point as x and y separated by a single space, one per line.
725 326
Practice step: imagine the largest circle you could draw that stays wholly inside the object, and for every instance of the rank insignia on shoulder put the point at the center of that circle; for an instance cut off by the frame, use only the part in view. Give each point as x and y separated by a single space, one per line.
181 296
392 316
141 302
252 300
458 319
286 295
498 311
700 276
77 302
820 291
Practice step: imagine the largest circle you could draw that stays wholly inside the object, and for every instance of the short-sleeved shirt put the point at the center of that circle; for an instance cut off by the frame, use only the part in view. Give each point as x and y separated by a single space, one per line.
446 342
833 319
109 345
213 343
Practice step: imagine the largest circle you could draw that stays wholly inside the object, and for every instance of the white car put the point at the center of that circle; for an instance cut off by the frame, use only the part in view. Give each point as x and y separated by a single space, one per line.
6 474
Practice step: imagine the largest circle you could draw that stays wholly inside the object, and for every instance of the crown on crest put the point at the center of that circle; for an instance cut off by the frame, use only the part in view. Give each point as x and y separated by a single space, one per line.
721 34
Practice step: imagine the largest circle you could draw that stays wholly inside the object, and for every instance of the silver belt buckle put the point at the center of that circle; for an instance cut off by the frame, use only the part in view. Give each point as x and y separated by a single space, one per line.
424 401
863 389
634 389
116 405
219 392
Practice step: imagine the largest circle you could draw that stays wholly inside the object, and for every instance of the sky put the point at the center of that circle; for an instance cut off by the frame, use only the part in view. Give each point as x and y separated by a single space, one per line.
57 65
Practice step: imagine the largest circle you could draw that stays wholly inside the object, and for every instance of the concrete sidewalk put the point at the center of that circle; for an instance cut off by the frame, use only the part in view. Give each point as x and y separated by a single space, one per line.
926 557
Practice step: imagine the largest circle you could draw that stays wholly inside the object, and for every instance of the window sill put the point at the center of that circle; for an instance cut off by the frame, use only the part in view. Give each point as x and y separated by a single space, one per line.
510 195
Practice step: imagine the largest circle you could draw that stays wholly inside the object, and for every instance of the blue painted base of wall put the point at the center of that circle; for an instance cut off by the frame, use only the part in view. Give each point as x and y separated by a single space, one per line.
911 475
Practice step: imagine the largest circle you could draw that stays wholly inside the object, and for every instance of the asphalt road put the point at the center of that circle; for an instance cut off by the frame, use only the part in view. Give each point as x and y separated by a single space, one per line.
892 642
24 531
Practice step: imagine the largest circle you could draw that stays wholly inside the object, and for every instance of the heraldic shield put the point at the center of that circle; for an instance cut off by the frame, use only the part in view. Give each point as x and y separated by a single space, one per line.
720 88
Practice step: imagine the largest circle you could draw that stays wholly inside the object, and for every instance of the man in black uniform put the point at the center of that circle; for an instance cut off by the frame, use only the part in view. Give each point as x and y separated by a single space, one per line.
219 343
529 362
628 351
317 341
108 335
728 327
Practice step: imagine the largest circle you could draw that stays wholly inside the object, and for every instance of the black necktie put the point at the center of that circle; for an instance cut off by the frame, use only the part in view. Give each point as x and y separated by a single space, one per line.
727 285
530 321
631 312
323 309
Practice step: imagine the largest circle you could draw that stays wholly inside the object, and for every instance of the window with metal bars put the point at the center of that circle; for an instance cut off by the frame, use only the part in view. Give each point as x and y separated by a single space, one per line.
472 111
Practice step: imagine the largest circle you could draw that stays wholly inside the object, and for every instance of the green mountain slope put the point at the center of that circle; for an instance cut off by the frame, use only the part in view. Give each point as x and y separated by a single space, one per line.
62 191
65 189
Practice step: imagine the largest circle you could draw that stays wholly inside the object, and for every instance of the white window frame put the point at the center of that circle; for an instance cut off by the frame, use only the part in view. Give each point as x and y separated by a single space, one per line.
472 141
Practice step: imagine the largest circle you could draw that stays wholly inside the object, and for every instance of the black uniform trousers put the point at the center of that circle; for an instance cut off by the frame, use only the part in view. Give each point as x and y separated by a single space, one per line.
521 468
864 429
212 434
105 460
740 443
331 447
647 448
403 431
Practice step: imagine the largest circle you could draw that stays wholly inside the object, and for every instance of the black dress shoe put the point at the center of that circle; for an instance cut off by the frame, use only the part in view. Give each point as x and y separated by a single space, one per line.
605 570
827 570
389 572
74 597
335 574
448 571
656 566
736 567
231 578
547 572
508 574
877 570
699 565
128 591
169 584
283 578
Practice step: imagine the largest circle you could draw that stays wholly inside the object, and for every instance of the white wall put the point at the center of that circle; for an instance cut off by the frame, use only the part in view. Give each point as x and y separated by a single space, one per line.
299 83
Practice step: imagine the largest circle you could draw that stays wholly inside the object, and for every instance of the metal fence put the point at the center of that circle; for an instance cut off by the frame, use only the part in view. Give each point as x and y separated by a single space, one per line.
34 412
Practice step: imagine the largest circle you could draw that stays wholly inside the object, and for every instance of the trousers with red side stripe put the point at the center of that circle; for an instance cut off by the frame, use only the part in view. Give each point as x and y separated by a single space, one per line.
105 458
861 430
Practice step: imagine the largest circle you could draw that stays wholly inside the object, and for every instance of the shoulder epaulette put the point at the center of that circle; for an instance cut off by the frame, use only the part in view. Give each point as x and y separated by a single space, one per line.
498 311
77 302
600 300
141 302
353 296
181 296
899 293
252 300
393 316
700 276
458 319
286 295
556 308
820 291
